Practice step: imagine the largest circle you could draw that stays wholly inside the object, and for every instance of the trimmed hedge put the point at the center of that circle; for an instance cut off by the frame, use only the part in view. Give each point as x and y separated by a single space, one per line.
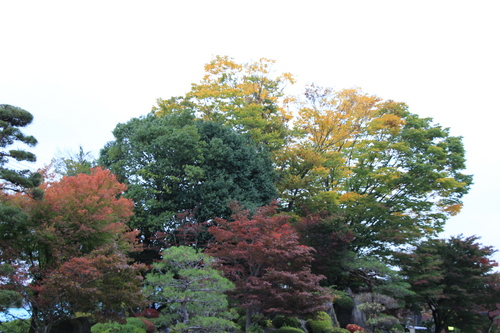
321 322
286 329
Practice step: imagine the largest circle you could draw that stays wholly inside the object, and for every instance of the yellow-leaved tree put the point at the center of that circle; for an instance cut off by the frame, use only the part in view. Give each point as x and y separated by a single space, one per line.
391 175
247 97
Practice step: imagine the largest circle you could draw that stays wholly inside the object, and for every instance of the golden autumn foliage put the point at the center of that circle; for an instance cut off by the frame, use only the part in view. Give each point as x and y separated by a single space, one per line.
331 124
244 96
384 169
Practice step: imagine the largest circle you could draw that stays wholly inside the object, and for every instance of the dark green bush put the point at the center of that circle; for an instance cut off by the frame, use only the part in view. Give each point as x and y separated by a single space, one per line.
262 321
286 329
321 322
241 322
281 320
342 299
259 323
396 328
137 322
15 326
256 328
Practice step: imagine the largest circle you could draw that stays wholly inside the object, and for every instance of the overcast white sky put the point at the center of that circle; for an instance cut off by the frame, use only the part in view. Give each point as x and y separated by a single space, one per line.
83 67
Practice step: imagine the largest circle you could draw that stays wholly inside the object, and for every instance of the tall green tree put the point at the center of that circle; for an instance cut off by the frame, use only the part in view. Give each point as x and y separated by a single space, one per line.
189 292
12 220
454 279
175 163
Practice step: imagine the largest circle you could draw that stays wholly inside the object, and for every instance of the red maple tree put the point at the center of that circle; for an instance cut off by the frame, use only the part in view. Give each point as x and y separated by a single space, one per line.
269 266
102 283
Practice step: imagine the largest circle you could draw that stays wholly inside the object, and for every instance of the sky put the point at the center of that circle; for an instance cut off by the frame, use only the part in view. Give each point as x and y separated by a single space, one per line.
82 67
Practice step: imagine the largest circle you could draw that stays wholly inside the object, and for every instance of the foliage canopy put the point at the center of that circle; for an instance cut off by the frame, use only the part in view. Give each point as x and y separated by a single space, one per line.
454 278
174 164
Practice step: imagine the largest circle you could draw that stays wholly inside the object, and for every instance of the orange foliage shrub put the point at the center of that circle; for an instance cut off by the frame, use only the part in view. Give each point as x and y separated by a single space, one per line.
353 328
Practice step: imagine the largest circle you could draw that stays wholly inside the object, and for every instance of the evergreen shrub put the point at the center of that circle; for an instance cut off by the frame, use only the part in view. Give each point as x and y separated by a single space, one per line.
137 322
15 326
286 329
343 300
281 320
320 322
255 328
133 325
396 328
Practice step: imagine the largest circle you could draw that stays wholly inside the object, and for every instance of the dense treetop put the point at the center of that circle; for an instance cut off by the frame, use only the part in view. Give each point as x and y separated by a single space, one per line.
176 164
454 278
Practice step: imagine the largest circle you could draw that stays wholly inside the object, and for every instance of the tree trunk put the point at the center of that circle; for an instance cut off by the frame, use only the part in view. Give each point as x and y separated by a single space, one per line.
248 319
34 320
185 313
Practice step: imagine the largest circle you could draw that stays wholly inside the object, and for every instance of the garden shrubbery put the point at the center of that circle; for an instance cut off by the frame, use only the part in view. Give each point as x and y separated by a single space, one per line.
133 325
150 327
15 326
342 299
321 322
286 329
281 320
396 328
335 330
354 328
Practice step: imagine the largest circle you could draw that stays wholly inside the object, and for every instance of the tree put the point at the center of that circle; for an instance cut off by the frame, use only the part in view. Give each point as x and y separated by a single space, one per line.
246 97
374 306
11 119
174 164
73 164
189 292
13 227
263 257
395 177
330 237
63 237
12 219
313 164
8 297
454 279
102 284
